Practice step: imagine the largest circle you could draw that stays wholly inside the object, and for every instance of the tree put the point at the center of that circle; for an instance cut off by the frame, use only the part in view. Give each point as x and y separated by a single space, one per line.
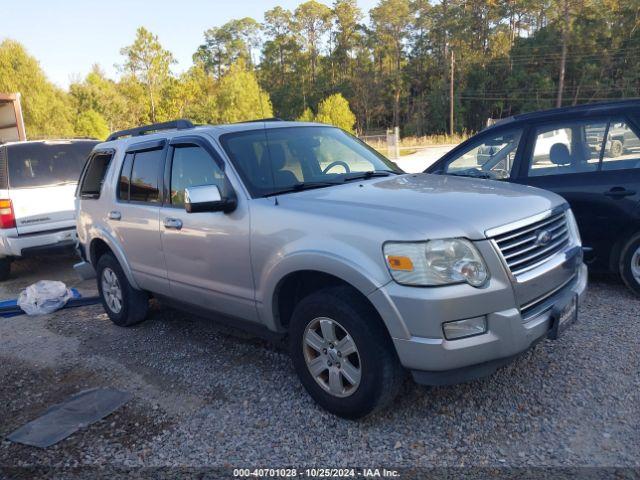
149 64
307 116
335 110
46 108
199 95
278 29
312 20
347 16
390 22
240 98
102 95
91 124
225 45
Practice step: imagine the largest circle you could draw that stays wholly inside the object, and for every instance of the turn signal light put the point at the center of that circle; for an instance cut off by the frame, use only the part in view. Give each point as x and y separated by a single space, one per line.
397 262
7 218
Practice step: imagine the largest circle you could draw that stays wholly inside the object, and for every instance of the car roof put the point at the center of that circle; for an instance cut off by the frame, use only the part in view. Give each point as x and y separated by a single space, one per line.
212 130
577 110
51 141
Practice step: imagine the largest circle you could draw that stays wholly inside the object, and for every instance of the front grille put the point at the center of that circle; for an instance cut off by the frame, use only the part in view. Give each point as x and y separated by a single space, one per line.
521 248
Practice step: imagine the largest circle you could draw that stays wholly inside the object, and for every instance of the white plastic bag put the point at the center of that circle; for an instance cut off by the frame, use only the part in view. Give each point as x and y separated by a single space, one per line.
42 297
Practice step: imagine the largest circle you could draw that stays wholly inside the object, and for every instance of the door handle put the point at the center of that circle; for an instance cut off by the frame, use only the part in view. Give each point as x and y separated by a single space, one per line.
619 192
174 223
114 215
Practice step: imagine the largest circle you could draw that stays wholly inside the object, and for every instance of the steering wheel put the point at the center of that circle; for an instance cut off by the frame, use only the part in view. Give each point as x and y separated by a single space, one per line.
336 164
501 173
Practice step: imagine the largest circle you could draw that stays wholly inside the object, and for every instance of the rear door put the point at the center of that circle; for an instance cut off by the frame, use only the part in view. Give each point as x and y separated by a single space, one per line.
42 179
134 216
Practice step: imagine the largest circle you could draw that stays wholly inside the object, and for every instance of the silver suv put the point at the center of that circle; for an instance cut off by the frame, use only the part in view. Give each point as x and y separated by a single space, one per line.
301 231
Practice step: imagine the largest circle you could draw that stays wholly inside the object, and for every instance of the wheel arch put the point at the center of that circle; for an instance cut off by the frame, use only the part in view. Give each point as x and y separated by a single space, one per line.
619 245
102 243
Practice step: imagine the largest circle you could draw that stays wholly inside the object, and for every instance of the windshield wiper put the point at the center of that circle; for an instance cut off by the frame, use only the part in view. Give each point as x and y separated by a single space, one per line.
297 187
366 175
472 174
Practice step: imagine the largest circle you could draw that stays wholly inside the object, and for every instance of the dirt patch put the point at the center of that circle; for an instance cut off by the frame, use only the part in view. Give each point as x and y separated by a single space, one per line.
27 391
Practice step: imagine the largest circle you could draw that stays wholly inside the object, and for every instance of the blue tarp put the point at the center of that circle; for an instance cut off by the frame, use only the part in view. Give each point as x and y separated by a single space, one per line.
9 308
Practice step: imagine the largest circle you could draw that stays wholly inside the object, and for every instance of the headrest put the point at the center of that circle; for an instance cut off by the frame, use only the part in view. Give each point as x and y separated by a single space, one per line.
559 154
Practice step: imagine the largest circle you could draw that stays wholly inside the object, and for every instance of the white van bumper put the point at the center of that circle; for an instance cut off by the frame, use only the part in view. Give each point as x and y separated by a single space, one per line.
14 245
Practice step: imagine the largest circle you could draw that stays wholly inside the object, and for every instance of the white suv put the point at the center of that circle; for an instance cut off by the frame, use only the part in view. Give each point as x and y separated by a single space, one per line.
37 184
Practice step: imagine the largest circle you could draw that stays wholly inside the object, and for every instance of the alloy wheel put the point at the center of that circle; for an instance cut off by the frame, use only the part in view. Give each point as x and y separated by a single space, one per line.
635 265
332 357
111 290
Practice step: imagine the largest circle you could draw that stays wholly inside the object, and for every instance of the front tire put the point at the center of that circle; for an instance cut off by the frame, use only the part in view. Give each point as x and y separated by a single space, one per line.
124 304
629 265
343 354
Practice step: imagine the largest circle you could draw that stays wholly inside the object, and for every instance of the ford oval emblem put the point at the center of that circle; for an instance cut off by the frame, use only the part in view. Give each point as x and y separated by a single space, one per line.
543 237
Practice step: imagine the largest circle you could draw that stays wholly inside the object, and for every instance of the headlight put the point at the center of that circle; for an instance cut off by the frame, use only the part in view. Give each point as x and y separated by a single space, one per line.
436 262
572 225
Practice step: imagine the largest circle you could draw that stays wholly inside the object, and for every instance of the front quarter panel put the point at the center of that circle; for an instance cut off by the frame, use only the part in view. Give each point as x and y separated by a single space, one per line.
285 241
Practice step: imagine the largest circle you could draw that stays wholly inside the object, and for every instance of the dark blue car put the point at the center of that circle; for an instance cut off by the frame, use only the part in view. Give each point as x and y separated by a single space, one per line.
589 154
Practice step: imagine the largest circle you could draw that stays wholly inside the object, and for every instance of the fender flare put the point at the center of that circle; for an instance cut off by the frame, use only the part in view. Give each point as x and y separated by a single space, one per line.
355 274
102 234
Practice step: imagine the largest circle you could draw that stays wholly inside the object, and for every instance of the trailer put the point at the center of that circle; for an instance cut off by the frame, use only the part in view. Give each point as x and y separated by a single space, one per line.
11 121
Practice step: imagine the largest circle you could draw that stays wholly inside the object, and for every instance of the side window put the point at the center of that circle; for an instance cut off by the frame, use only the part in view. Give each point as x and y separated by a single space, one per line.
493 158
139 178
94 175
573 147
622 150
125 177
144 177
192 166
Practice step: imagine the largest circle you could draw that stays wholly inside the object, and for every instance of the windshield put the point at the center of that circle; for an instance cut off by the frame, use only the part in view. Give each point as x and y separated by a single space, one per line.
278 160
40 164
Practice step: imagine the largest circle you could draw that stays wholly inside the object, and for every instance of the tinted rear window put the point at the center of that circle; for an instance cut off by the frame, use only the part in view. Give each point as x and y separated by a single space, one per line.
139 177
40 164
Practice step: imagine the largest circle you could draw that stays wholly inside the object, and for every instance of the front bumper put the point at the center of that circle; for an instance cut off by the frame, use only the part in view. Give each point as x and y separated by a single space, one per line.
434 360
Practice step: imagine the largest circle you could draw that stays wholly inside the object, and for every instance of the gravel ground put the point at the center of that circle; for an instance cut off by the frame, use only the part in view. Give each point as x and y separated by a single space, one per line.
206 395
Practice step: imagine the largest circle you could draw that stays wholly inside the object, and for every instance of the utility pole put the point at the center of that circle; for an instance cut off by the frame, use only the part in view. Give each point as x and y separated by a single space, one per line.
453 62
563 55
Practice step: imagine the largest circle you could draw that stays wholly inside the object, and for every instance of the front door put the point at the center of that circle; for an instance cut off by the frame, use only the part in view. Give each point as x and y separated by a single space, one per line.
207 254
600 183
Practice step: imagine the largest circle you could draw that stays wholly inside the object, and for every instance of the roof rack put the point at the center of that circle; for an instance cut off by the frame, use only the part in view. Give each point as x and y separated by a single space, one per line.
270 119
181 124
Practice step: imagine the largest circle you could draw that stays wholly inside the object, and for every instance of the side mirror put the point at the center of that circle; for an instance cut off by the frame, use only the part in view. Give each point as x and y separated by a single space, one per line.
207 198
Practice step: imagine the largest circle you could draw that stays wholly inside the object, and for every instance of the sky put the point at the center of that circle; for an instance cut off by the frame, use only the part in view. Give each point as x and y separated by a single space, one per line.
69 36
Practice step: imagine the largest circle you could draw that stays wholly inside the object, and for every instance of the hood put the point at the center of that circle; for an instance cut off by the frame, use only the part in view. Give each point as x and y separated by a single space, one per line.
423 206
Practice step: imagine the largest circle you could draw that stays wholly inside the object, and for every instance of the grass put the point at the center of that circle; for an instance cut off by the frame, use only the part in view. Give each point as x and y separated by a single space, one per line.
439 139
409 145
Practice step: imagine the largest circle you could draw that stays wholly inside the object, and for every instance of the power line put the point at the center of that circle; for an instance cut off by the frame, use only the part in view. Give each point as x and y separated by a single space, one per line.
467 97
554 89
574 53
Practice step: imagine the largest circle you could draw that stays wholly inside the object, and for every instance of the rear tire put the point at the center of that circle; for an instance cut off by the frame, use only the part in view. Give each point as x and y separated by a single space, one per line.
629 265
367 376
616 149
124 304
5 269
